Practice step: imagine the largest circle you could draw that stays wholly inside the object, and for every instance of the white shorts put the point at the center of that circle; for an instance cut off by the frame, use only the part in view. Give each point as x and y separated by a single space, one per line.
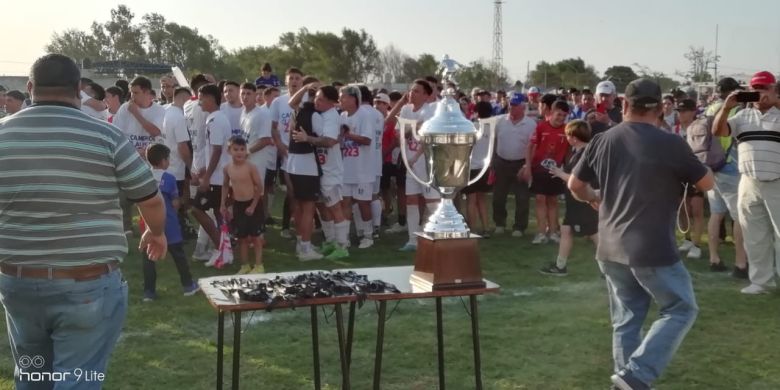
415 188
330 195
361 191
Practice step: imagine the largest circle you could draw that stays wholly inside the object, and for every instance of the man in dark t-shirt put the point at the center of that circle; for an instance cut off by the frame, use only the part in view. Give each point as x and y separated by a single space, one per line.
639 195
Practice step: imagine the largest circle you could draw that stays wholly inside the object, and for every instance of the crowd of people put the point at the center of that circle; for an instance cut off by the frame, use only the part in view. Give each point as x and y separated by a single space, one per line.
220 151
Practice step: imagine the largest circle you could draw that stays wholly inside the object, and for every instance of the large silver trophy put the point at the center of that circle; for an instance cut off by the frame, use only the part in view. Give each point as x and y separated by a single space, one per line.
447 140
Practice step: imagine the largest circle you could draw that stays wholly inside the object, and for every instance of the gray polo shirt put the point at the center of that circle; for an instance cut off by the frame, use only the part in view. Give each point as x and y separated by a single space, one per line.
61 173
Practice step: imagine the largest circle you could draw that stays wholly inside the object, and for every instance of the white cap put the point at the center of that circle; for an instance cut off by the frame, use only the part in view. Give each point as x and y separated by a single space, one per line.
533 90
606 87
382 97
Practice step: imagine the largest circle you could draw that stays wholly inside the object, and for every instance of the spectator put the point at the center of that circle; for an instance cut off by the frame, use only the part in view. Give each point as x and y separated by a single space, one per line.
114 99
608 112
756 128
501 105
670 115
534 101
168 85
476 194
267 77
636 250
513 133
545 106
14 101
691 244
65 299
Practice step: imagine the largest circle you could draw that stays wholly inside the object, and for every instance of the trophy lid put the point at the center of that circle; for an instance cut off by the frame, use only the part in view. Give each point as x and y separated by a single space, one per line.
448 118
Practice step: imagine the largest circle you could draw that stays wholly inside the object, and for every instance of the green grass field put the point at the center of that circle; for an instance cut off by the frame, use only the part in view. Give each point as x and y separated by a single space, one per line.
541 332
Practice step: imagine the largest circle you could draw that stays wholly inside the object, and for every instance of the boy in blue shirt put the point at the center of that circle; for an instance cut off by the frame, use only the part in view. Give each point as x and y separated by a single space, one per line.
158 155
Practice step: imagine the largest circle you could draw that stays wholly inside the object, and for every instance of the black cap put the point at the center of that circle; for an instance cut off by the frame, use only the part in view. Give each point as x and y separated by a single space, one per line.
685 105
728 84
643 93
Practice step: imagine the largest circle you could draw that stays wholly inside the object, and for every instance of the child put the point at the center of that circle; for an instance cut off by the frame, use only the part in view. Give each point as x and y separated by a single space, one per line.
158 155
580 219
242 182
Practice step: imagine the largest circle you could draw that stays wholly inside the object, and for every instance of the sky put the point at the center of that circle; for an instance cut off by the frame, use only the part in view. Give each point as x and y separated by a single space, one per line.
654 34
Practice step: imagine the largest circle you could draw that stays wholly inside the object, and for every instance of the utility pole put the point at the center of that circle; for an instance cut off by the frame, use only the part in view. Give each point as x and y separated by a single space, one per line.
717 59
498 41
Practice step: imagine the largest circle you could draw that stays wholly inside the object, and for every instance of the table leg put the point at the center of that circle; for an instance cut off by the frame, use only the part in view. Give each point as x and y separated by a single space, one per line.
440 342
380 338
236 347
315 347
475 339
350 332
220 346
342 353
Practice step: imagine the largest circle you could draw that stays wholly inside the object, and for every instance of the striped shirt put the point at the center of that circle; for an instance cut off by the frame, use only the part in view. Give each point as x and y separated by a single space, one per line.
758 137
61 174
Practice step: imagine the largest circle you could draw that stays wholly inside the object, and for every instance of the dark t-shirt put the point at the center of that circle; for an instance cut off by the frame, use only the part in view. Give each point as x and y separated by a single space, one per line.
639 168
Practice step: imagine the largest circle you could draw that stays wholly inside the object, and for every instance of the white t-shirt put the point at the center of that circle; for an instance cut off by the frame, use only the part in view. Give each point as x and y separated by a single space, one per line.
358 159
412 146
218 133
379 126
102 115
256 124
512 138
282 113
196 122
135 133
480 150
233 115
174 131
329 125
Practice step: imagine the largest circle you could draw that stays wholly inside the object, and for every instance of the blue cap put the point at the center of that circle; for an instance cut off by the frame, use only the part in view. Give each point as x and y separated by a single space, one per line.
516 98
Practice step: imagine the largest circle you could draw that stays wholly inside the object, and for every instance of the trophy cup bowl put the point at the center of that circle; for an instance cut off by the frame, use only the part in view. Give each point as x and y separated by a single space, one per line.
447 255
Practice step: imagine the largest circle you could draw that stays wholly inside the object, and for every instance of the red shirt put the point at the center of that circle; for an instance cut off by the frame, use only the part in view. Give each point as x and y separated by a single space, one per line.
550 143
388 141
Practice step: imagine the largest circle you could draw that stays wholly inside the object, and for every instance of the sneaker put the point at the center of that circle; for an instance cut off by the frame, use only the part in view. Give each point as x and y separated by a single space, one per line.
366 243
245 269
396 228
191 290
552 269
499 230
309 256
685 246
149 296
740 273
718 267
337 253
258 269
408 247
286 234
204 256
539 238
328 247
755 289
625 381
556 237
376 233
694 252
517 233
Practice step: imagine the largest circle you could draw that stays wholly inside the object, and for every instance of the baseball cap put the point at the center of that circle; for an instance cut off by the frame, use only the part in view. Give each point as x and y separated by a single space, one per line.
686 105
533 90
728 84
382 97
763 78
516 98
606 87
643 93
476 91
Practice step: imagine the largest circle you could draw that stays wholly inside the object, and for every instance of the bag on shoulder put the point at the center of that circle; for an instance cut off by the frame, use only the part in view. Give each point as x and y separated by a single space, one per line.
700 139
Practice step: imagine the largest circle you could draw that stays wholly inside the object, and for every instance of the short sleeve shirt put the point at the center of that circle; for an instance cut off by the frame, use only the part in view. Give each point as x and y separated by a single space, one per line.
170 192
174 132
758 137
218 132
550 143
137 135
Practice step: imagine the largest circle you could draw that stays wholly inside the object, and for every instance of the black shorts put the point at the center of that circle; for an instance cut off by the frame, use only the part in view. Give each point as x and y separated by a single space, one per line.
390 171
270 178
242 225
305 188
481 185
211 200
582 218
543 183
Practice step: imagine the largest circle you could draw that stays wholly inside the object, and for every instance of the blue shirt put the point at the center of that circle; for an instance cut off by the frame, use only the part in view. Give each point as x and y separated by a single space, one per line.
169 192
271 81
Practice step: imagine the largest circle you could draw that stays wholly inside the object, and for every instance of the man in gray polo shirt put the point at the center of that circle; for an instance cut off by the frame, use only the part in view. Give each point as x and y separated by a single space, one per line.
757 131
61 238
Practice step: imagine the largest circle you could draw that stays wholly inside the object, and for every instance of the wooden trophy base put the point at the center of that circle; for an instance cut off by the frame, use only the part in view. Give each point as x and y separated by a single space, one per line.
446 264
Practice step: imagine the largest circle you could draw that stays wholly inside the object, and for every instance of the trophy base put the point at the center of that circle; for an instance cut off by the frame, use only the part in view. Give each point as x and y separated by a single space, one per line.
446 264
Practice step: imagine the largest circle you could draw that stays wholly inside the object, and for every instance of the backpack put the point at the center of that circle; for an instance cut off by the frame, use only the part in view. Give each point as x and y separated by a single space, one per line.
701 141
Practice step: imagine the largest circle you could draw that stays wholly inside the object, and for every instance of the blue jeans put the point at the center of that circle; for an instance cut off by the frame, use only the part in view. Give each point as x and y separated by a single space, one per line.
62 331
630 291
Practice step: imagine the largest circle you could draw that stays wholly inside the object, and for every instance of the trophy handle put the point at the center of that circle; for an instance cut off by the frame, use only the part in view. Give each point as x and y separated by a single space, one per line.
402 123
487 124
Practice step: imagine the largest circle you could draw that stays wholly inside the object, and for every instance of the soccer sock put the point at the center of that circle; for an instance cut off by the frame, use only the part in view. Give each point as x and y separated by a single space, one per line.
270 203
560 262
368 230
413 225
342 233
376 212
328 230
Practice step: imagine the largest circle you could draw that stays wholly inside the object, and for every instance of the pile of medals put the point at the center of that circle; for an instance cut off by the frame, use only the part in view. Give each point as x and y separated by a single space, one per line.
304 286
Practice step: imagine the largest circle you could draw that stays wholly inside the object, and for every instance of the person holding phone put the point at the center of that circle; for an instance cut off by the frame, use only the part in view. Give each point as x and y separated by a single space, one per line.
607 112
757 129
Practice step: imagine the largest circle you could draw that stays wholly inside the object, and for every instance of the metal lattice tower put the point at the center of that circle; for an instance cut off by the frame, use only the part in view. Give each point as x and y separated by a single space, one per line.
498 39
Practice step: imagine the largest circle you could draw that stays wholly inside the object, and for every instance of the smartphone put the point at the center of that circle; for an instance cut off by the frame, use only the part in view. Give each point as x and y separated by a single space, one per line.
601 108
748 97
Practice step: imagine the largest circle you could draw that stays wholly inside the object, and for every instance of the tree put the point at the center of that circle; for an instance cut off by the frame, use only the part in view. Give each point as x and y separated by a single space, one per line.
701 61
126 39
567 72
480 74
360 52
75 44
424 65
665 82
391 64
620 75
